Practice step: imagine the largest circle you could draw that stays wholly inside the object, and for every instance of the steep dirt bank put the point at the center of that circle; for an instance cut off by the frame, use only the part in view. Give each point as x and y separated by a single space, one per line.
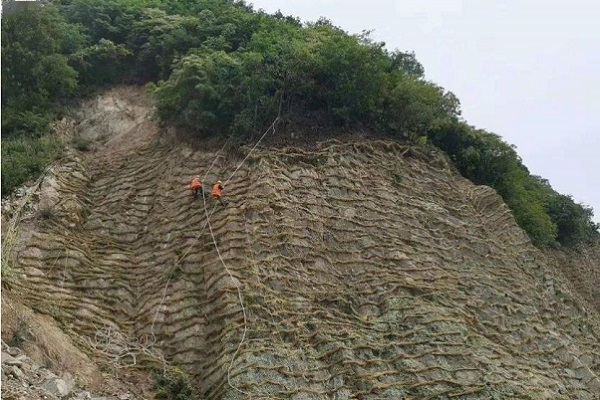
366 270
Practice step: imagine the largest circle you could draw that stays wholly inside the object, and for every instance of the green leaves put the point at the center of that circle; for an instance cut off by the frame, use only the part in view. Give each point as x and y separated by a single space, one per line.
545 215
55 77
407 64
26 156
35 71
106 19
221 68
574 222
201 93
173 385
159 38
414 106
102 63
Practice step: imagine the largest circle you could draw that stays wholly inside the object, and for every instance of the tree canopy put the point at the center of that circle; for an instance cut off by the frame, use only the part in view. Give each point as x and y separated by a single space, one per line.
218 67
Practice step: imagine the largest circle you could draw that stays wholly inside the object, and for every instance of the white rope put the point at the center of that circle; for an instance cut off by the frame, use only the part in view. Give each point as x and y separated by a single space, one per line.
215 160
239 291
233 279
213 209
251 150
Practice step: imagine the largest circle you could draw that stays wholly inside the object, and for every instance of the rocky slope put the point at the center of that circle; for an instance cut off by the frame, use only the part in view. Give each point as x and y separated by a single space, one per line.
363 269
23 379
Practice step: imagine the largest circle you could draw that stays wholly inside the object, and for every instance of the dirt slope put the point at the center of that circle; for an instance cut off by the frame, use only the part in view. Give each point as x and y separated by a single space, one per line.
366 269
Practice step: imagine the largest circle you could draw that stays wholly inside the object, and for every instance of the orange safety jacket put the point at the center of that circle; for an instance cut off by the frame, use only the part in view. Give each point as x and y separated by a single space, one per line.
196 183
217 190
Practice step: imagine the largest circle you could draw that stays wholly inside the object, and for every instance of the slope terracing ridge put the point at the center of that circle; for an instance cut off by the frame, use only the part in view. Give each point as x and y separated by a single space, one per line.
367 270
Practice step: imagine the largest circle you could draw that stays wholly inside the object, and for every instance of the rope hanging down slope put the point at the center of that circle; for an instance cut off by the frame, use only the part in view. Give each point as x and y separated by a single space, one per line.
235 281
207 223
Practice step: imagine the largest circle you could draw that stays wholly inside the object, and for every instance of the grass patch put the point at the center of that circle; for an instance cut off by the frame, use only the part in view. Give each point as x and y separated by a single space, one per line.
25 157
174 273
175 384
397 180
83 144
8 276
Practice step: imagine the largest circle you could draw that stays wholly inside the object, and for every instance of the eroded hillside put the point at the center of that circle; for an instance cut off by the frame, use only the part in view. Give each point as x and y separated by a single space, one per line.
366 269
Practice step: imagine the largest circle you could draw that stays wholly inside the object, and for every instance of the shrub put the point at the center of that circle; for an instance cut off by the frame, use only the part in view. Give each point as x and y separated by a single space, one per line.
24 156
221 68
46 211
83 144
173 385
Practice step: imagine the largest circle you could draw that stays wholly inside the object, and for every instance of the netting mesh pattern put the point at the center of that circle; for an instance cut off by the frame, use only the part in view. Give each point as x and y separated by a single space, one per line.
367 270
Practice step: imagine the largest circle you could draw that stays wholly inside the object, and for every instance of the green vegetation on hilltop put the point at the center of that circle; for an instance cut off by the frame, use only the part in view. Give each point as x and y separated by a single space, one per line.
218 67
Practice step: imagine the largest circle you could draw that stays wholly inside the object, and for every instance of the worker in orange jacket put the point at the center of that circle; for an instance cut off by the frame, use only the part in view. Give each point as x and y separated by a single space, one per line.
195 186
217 192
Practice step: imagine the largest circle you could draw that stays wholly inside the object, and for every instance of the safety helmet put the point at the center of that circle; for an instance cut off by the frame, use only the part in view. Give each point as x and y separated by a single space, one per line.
219 182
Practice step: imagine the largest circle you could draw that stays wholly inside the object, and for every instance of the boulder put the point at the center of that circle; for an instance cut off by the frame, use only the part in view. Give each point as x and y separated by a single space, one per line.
57 387
15 361
6 357
13 351
83 396
16 372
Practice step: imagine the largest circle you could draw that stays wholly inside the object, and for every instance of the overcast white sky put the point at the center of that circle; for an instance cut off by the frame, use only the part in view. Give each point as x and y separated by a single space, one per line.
528 70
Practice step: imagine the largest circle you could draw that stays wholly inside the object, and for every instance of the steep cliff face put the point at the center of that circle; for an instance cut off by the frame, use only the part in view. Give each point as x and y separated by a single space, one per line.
581 268
362 269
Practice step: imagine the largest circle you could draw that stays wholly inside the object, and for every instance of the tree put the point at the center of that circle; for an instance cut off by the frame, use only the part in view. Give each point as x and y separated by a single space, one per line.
218 67
35 69
407 64
101 64
201 95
